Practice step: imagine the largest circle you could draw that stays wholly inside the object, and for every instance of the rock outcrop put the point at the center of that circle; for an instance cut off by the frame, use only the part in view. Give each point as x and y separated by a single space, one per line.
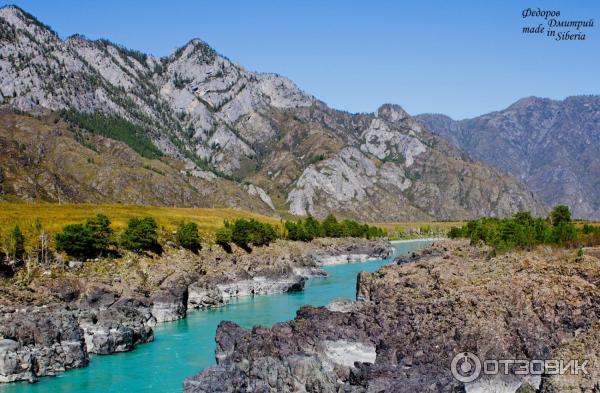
210 295
253 140
413 317
39 343
334 254
55 323
170 305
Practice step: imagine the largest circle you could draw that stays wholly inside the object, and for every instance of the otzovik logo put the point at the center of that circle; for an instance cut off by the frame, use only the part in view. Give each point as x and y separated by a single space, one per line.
467 367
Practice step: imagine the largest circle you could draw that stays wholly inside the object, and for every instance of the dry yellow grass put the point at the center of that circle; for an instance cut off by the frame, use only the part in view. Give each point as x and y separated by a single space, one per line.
436 226
54 216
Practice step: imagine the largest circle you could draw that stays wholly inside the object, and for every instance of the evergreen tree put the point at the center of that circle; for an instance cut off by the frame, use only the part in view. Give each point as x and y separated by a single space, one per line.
101 232
224 237
523 231
187 236
293 230
16 244
140 235
312 229
87 240
241 233
76 240
331 227
560 214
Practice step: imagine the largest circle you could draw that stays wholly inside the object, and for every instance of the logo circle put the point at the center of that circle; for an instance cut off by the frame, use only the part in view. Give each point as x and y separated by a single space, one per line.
466 367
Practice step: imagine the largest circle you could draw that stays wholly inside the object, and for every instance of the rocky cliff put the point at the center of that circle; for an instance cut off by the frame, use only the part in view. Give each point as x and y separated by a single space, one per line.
410 320
213 120
53 317
553 146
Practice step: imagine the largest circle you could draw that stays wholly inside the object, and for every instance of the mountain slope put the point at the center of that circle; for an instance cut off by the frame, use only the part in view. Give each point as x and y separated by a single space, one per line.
46 160
270 139
553 146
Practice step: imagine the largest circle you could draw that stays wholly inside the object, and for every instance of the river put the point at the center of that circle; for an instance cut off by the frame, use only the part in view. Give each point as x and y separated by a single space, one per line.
183 348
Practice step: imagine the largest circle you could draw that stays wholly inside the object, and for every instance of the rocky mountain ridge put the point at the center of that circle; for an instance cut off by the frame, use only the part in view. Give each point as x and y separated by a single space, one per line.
275 143
552 145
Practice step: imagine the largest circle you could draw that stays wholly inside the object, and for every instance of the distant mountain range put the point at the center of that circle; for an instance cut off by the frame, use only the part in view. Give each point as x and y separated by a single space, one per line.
92 121
552 146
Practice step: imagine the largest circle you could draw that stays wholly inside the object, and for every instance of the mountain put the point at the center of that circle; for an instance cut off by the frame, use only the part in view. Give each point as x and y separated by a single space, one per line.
212 127
553 146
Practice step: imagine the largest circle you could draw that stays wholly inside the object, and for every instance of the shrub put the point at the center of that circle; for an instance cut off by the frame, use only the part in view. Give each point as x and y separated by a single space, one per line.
263 234
187 236
140 235
252 232
312 228
87 240
590 235
565 233
240 233
456 232
294 230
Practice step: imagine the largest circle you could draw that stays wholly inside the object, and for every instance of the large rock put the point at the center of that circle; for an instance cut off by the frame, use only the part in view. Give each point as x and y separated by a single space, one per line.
117 329
350 250
39 343
170 305
210 295
204 295
15 364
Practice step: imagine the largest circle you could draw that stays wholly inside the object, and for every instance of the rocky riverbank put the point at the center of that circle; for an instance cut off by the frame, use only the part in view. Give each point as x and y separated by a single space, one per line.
410 320
52 318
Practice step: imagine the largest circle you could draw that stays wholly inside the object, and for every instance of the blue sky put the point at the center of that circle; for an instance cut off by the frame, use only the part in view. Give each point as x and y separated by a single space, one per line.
462 58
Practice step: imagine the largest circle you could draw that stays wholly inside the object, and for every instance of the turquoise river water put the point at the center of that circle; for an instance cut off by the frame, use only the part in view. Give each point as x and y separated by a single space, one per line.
183 348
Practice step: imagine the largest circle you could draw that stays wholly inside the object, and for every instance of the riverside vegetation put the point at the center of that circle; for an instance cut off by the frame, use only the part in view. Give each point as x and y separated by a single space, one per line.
96 238
523 231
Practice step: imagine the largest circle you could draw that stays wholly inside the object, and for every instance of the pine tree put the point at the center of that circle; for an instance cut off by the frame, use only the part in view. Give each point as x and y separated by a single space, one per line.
187 236
16 244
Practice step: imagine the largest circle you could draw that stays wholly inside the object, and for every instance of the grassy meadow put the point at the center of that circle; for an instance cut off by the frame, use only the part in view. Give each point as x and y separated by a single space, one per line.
55 216
409 230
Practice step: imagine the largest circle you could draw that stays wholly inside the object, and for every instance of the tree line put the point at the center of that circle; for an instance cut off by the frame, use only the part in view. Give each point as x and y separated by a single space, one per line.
117 128
309 229
92 239
95 237
246 233
523 231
